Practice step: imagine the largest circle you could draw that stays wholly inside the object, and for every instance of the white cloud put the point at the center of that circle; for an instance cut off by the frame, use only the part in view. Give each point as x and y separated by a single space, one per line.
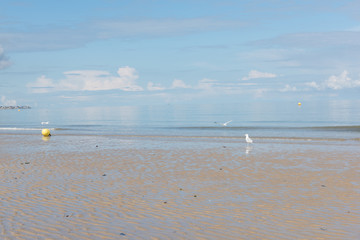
154 87
75 98
42 82
90 80
341 81
7 102
256 74
4 60
41 85
336 82
177 83
313 85
206 84
288 88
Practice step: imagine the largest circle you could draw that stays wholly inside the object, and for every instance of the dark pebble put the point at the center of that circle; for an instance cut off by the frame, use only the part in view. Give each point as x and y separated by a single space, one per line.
323 185
104 175
122 234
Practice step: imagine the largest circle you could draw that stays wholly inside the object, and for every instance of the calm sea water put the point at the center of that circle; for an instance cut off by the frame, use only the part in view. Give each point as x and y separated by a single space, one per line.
332 120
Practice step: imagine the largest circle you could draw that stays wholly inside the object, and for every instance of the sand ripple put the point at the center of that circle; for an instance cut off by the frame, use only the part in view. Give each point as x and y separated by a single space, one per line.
179 192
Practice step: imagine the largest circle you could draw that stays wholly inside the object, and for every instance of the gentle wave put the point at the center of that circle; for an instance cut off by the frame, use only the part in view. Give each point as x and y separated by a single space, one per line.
336 128
99 127
24 129
63 132
256 139
327 128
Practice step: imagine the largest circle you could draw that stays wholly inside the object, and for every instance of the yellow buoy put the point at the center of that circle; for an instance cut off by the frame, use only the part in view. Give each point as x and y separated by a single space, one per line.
299 103
45 132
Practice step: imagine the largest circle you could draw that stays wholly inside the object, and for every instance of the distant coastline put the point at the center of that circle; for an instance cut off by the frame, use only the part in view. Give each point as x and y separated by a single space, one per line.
14 107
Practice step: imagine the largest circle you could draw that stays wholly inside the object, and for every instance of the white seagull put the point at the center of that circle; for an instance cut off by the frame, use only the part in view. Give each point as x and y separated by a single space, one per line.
44 123
248 140
225 123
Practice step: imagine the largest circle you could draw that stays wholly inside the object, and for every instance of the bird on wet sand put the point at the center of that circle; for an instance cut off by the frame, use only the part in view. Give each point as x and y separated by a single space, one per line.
248 139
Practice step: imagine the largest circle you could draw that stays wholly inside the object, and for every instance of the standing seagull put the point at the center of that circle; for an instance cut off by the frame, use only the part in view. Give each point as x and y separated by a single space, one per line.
248 140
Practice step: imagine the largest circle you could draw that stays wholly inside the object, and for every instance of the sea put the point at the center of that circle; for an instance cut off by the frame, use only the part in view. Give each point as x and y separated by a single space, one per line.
263 121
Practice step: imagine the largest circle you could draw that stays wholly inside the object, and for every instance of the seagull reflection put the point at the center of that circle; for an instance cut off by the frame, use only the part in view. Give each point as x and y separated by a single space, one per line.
248 149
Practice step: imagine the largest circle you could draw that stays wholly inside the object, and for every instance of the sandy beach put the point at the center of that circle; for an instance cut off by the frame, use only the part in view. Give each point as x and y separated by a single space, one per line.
91 187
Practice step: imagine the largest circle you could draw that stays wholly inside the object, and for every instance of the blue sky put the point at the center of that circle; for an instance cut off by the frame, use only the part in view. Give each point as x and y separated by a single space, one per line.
108 52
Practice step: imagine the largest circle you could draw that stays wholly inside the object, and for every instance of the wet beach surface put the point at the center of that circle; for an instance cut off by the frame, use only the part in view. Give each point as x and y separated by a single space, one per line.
132 187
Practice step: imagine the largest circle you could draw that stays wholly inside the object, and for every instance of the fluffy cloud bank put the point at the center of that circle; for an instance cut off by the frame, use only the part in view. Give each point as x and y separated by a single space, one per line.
89 80
288 88
336 82
7 102
154 87
176 84
256 74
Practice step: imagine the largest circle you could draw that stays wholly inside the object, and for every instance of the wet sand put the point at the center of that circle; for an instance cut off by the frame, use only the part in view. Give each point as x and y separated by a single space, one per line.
166 188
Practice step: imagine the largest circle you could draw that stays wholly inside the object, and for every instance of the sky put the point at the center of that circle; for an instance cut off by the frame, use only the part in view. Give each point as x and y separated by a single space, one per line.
141 52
